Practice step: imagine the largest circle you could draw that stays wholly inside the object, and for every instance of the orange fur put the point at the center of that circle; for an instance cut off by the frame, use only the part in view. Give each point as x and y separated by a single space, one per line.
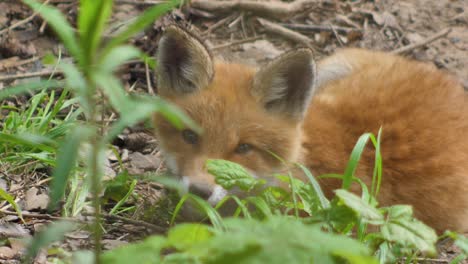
423 114
422 111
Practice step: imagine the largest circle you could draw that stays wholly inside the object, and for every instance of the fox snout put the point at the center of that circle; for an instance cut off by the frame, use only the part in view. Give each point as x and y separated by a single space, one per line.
213 193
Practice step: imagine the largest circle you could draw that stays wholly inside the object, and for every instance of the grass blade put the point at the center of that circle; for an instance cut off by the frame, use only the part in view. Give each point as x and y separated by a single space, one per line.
30 86
30 140
11 200
325 204
66 161
354 160
377 174
118 56
125 198
91 21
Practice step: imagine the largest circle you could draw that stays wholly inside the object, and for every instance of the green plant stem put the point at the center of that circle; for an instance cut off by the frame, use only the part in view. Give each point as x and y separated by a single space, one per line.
95 142
96 189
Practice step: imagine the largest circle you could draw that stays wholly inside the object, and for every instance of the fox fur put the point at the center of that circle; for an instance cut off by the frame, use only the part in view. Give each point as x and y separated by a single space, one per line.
314 114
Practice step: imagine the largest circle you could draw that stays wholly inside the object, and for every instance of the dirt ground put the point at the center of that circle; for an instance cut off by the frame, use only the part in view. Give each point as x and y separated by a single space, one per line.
234 33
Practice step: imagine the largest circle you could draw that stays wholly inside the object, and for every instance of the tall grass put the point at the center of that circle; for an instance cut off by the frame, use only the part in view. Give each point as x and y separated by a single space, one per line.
91 74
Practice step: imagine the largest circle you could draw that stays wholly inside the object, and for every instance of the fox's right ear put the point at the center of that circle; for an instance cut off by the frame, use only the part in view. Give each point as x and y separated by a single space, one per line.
184 63
286 84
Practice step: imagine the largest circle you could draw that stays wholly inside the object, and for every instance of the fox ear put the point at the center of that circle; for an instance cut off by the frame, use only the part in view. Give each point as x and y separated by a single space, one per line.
184 63
286 84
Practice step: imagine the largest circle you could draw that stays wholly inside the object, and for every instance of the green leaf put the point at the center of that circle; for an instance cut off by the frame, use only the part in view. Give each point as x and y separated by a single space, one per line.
324 203
114 91
185 236
92 18
229 174
407 231
30 86
36 141
277 240
140 108
462 242
144 20
66 162
354 160
125 198
194 202
180 258
368 213
11 200
117 56
59 23
145 252
53 232
49 59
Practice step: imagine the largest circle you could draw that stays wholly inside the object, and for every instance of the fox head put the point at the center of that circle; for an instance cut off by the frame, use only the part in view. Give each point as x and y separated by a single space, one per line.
247 115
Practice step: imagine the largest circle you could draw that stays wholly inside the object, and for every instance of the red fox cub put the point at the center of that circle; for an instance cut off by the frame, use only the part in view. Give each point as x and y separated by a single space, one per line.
314 116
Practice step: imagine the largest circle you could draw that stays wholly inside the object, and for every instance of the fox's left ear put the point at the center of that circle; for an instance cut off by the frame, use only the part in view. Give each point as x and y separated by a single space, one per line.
286 84
184 63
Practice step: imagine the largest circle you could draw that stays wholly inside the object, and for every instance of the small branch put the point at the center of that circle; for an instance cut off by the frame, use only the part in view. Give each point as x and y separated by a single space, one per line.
148 80
279 10
131 221
21 22
284 32
242 41
430 39
41 216
319 28
29 75
218 24
146 2
7 65
337 36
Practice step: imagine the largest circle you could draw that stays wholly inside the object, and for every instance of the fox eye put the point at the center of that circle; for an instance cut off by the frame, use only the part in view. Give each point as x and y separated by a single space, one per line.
243 148
190 137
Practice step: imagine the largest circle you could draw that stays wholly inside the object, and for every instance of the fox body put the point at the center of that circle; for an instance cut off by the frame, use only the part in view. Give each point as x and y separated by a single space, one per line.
314 116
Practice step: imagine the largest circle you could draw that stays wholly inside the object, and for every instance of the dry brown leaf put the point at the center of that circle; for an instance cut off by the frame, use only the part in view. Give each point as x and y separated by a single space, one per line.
13 230
35 200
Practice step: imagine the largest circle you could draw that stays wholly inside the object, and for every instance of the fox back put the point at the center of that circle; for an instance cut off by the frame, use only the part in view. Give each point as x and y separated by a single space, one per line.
314 116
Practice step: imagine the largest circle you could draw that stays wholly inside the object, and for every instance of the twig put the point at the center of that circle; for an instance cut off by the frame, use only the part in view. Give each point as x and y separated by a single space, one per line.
42 216
131 221
218 24
29 75
284 32
430 39
22 22
337 36
146 2
148 80
278 10
238 42
318 28
17 63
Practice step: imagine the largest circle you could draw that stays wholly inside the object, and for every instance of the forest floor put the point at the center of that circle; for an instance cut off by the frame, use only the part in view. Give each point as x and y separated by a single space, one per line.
431 31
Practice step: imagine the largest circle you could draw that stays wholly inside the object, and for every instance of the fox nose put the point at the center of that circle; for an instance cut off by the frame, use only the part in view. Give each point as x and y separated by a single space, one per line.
202 190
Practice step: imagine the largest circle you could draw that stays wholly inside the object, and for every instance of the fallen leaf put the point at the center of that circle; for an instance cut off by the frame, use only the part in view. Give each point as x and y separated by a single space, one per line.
385 19
13 230
266 47
144 162
112 243
34 200
7 253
